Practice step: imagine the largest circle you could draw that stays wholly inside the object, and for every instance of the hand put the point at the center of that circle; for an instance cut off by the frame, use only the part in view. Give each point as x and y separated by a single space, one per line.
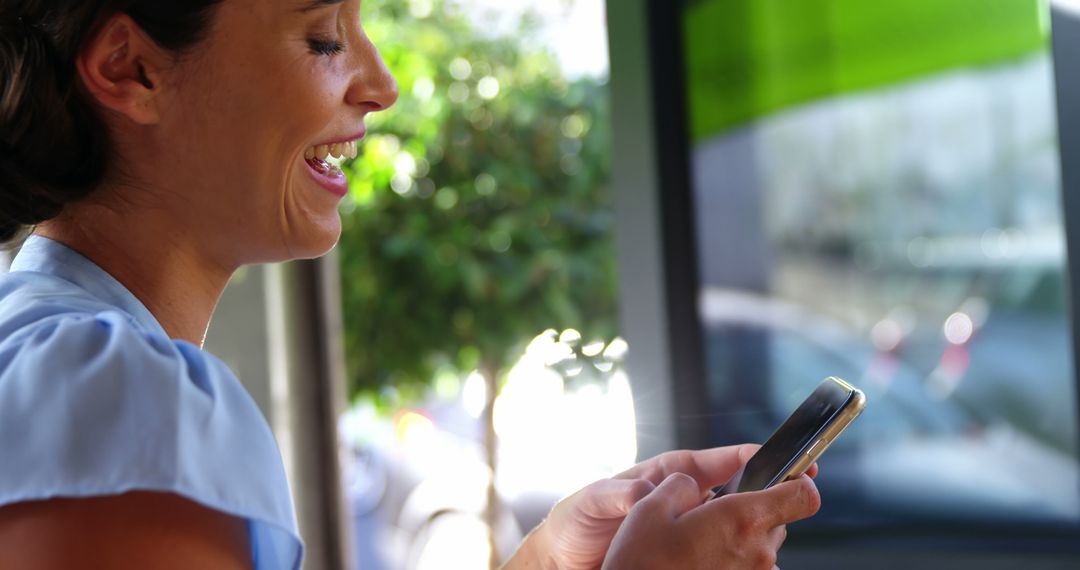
579 530
671 528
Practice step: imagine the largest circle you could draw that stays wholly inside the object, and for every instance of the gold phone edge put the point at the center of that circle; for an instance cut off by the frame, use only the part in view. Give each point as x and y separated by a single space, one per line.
842 421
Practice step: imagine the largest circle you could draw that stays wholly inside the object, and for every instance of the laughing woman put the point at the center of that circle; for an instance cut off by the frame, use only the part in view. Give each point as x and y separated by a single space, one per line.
151 148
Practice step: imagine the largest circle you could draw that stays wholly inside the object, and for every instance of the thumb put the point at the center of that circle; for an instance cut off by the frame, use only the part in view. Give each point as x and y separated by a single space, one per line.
673 496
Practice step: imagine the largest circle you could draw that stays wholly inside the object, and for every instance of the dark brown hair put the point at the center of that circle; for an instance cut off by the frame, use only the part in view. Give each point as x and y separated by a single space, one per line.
54 148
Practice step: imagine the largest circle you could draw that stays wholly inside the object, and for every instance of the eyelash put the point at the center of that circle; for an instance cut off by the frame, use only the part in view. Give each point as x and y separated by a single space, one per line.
326 47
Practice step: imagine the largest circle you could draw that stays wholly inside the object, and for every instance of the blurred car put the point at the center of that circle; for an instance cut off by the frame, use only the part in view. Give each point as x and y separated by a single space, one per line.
912 457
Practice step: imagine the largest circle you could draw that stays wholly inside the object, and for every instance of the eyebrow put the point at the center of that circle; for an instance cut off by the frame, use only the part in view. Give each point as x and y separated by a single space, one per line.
316 4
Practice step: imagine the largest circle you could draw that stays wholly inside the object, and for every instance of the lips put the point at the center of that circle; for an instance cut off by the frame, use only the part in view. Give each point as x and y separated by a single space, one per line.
324 163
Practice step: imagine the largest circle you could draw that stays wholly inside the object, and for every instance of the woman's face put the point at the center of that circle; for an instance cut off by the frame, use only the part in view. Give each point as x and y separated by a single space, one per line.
248 111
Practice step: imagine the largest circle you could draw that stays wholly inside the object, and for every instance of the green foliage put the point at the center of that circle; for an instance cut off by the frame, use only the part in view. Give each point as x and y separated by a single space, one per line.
479 210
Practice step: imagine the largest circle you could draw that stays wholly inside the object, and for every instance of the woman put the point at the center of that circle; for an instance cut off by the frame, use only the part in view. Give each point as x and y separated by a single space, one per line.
154 147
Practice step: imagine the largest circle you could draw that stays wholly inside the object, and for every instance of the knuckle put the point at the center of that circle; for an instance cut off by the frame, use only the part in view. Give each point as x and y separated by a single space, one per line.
639 489
672 461
746 523
682 479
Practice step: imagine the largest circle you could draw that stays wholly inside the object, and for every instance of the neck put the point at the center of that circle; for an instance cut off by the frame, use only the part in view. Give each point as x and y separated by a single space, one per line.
161 265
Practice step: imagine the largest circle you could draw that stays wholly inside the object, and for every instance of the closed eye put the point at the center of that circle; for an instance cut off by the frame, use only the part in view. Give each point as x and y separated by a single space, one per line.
316 4
328 47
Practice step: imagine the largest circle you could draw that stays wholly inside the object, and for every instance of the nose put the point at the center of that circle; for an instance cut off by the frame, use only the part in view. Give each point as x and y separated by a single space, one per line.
372 86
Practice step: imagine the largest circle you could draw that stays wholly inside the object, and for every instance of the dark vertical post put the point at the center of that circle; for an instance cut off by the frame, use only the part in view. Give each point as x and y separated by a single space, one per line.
679 227
1065 23
308 389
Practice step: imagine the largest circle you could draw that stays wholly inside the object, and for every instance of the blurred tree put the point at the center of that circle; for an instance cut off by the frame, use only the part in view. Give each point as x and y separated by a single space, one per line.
479 210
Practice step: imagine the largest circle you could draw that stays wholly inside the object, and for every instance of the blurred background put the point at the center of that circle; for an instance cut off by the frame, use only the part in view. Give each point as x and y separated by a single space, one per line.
878 196
587 234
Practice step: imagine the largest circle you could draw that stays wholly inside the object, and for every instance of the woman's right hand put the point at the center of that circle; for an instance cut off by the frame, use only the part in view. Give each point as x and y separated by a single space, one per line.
672 528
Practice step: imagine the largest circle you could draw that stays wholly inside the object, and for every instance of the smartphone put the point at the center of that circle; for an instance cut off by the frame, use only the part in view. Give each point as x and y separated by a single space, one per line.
800 440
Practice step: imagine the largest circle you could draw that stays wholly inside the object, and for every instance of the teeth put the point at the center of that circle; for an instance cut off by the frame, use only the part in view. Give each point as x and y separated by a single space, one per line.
339 151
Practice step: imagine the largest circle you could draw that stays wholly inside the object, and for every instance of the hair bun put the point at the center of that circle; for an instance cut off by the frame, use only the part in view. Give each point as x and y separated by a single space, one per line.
22 54
18 45
46 133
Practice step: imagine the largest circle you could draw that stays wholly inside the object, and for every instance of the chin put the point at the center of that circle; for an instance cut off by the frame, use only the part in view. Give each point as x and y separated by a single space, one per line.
316 243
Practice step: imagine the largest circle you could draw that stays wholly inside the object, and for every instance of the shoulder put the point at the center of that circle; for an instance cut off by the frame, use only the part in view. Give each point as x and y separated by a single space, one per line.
29 299
132 530
94 404
52 344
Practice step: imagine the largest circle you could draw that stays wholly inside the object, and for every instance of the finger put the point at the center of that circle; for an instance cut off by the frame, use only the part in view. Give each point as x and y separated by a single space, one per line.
709 467
812 471
613 498
784 503
672 497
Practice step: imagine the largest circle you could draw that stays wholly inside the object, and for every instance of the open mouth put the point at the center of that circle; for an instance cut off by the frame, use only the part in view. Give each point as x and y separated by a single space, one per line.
324 162
326 158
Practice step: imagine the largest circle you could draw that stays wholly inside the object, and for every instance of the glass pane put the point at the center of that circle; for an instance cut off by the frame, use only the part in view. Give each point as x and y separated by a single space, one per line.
884 205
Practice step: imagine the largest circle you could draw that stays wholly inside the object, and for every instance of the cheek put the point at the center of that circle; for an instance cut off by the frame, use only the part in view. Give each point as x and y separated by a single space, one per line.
248 140
318 92
221 125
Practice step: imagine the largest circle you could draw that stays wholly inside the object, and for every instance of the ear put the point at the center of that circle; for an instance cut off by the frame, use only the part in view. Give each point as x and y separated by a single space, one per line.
122 69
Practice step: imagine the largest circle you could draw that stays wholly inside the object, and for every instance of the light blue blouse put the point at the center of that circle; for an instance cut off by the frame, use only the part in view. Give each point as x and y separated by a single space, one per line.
96 399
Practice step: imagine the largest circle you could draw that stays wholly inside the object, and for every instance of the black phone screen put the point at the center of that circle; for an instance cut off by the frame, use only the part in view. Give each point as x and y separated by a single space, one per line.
792 437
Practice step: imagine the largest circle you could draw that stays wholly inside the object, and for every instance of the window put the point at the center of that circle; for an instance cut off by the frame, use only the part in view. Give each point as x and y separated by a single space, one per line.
877 197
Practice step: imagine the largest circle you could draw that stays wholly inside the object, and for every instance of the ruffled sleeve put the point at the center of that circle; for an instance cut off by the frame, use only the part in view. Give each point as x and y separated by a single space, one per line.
92 404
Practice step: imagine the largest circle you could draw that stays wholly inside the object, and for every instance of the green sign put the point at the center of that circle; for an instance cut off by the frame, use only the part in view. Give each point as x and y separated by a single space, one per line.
749 58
